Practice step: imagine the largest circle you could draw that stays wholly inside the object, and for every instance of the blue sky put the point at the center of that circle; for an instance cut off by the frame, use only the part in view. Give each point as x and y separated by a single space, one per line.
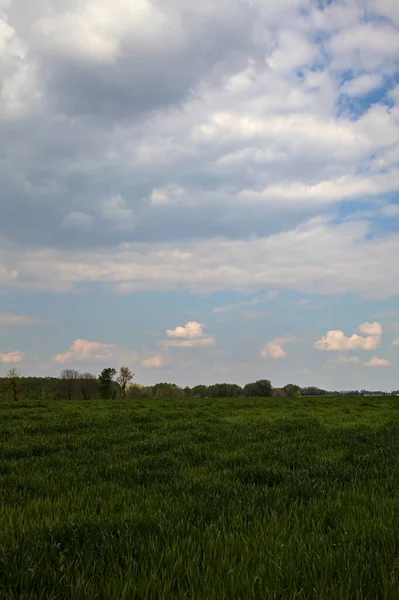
201 198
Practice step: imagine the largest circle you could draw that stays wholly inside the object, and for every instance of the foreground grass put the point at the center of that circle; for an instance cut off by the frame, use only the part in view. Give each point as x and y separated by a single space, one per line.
200 499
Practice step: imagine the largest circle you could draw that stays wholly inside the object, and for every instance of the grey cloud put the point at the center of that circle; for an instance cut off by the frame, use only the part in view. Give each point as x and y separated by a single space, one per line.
149 70
191 104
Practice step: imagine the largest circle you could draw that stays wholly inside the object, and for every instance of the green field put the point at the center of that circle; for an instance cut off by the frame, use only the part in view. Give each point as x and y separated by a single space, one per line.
200 499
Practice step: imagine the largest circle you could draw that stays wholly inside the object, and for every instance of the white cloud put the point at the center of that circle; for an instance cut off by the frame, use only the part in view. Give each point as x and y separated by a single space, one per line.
363 84
194 343
274 348
154 362
293 51
116 210
94 30
378 362
367 45
11 357
84 350
191 330
190 335
396 342
345 187
335 340
79 221
11 319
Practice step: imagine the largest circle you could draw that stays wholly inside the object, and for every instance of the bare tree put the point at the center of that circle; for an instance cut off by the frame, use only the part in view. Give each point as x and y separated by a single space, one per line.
125 375
14 377
69 377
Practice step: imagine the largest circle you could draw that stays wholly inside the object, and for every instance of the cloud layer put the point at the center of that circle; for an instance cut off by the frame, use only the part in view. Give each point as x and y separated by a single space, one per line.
159 147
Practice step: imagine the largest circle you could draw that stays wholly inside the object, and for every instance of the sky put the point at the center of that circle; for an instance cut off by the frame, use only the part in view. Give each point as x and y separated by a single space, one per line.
203 192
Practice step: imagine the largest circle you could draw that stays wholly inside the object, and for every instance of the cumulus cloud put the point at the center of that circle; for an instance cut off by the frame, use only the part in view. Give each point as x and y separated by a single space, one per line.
190 335
11 357
377 362
154 362
12 319
192 330
275 349
84 349
336 340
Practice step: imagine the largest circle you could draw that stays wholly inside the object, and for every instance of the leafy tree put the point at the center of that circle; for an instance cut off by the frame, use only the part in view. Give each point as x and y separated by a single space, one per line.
88 385
291 390
125 375
14 377
164 390
260 388
106 380
224 390
200 390
278 393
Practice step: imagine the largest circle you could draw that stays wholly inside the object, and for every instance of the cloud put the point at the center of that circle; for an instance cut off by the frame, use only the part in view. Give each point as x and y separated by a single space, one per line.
154 362
190 335
225 264
335 340
194 343
12 319
77 221
344 187
117 211
378 362
396 342
168 196
12 357
84 350
253 302
191 330
274 348
390 210
363 84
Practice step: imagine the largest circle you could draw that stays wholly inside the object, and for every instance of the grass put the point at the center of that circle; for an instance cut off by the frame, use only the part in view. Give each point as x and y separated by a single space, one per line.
200 499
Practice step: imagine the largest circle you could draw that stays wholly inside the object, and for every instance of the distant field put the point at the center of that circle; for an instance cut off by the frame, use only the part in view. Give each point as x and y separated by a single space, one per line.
200 499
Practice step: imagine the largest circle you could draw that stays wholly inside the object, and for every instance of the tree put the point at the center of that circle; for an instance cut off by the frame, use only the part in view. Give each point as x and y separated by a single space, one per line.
224 390
125 375
69 382
106 381
291 390
261 388
88 385
14 377
200 390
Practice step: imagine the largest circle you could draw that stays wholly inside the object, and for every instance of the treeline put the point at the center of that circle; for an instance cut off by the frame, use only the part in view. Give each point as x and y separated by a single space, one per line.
72 385
110 384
